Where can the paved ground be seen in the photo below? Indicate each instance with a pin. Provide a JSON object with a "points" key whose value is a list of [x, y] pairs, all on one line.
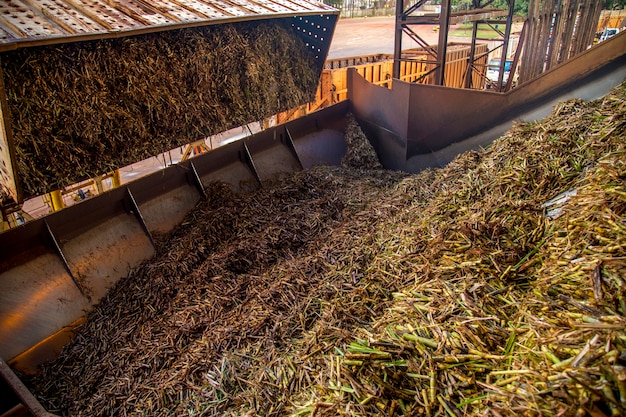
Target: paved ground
{"points": [[372, 35]]}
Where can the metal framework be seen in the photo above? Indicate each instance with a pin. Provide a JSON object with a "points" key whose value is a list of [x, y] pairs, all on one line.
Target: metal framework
{"points": [[410, 13], [504, 39]]}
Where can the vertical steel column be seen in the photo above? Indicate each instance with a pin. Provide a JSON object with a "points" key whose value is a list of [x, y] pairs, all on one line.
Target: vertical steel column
{"points": [[116, 178], [505, 47], [472, 57], [442, 48], [516, 58], [397, 49], [56, 198]]}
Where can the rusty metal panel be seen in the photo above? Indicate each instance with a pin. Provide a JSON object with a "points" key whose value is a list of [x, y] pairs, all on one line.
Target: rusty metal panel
{"points": [[383, 114], [433, 108], [32, 306], [382, 106], [34, 22]]}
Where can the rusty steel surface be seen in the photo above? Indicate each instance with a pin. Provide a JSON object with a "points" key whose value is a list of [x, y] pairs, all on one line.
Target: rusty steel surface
{"points": [[31, 22]]}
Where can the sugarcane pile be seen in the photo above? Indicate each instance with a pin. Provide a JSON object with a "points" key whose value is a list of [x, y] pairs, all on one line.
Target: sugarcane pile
{"points": [[493, 286], [128, 99]]}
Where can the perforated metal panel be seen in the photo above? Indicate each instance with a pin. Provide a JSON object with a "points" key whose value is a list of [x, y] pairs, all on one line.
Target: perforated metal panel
{"points": [[32, 22], [315, 30]]}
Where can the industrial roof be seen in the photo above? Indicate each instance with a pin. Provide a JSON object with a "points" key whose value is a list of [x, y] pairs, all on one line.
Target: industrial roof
{"points": [[35, 22]]}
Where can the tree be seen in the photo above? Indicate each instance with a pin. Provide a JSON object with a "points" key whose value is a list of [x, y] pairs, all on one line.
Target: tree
{"points": [[614, 4], [337, 4], [520, 7]]}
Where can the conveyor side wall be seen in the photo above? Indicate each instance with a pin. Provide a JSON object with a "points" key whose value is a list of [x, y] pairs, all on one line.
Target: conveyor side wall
{"points": [[53, 270], [434, 123]]}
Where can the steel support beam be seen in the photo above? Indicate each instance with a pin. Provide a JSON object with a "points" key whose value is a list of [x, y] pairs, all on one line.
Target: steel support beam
{"points": [[442, 47], [472, 57], [505, 36], [505, 49], [406, 17], [397, 48]]}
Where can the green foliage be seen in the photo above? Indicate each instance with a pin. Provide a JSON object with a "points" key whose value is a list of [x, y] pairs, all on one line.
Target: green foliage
{"points": [[337, 4], [614, 4], [520, 7]]}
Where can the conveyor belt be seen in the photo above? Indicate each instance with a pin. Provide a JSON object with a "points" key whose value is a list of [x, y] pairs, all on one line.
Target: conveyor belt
{"points": [[54, 269]]}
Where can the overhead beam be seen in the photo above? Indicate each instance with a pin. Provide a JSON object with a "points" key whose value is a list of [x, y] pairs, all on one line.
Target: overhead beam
{"points": [[407, 16], [479, 14], [455, 17]]}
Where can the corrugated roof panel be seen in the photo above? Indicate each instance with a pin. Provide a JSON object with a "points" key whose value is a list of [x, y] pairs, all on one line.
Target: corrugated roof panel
{"points": [[64, 16], [205, 9], [32, 22], [270, 6], [141, 12], [5, 36], [178, 12], [229, 8], [19, 19], [104, 14], [307, 5]]}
